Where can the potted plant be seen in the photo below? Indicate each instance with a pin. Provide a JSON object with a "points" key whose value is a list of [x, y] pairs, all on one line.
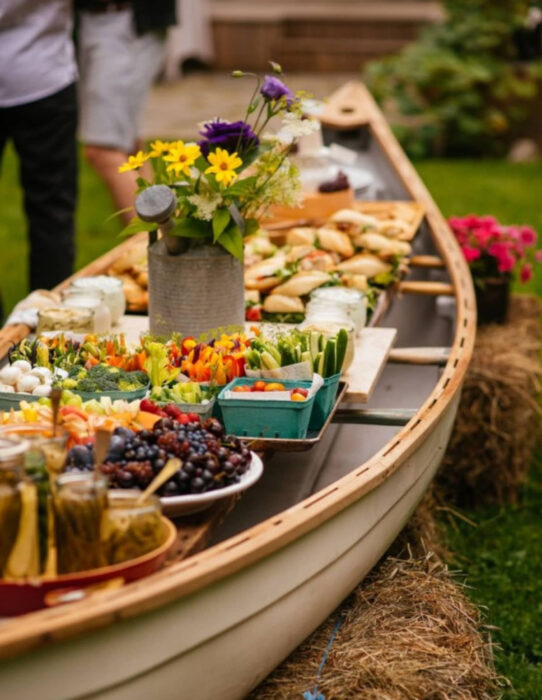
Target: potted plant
{"points": [[495, 254], [204, 198]]}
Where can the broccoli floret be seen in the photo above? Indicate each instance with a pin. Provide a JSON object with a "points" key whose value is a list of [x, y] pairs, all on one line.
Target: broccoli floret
{"points": [[126, 385], [107, 385], [141, 377], [86, 384]]}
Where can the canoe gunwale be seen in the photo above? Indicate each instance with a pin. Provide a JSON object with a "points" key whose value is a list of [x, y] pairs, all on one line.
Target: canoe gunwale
{"points": [[209, 566]]}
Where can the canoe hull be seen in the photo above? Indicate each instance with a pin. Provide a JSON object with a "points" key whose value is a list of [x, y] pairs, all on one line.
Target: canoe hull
{"points": [[223, 640]]}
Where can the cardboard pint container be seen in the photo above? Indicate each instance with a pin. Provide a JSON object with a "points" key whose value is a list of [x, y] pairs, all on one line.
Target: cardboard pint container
{"points": [[195, 292]]}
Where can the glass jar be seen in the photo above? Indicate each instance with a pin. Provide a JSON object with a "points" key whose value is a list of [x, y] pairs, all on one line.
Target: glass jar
{"points": [[130, 529], [12, 451], [92, 299], [79, 502], [65, 319], [40, 436], [352, 301], [325, 317], [113, 290]]}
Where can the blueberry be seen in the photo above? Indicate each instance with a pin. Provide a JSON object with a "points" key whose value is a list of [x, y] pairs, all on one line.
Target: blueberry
{"points": [[130, 454], [159, 464], [141, 454]]}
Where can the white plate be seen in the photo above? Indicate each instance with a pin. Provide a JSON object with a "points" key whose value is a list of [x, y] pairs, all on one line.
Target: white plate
{"points": [[176, 506]]}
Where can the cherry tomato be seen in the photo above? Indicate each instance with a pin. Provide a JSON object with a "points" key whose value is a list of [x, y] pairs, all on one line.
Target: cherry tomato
{"points": [[260, 385], [274, 386], [242, 388]]}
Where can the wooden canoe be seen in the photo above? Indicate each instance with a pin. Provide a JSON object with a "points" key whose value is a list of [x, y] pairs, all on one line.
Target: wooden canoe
{"points": [[215, 623]]}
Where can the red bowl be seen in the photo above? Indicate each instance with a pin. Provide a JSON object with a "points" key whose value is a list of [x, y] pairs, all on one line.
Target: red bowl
{"points": [[17, 598]]}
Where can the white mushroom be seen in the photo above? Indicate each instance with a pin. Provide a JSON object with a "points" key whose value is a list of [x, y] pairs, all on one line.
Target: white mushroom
{"points": [[23, 365], [42, 390], [44, 374], [10, 375], [27, 384]]}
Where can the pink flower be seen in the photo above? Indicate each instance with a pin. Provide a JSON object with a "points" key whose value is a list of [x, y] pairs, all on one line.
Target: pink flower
{"points": [[482, 235], [506, 262], [538, 256], [470, 253], [526, 272], [527, 235], [471, 220]]}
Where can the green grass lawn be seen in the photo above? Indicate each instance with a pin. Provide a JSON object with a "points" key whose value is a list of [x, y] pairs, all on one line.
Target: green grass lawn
{"points": [[502, 557]]}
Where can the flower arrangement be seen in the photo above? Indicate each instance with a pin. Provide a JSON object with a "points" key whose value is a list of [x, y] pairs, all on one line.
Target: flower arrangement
{"points": [[496, 251], [226, 180]]}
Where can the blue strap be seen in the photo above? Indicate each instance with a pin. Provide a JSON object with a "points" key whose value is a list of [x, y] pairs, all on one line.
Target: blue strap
{"points": [[314, 694]]}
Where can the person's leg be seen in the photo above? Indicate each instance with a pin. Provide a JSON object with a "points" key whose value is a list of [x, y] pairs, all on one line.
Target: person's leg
{"points": [[121, 186], [45, 138], [117, 67]]}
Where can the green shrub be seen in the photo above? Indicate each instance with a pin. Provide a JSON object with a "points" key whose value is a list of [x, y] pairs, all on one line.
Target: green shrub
{"points": [[458, 90]]}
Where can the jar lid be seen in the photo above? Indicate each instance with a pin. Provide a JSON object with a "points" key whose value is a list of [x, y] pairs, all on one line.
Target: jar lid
{"points": [[101, 282], [66, 314], [11, 447]]}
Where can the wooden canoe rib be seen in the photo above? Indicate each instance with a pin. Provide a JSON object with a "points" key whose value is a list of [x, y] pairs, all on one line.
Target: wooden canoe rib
{"points": [[330, 511]]}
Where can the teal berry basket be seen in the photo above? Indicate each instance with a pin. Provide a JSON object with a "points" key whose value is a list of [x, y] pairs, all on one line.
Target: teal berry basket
{"points": [[11, 400], [204, 410], [324, 401], [269, 419]]}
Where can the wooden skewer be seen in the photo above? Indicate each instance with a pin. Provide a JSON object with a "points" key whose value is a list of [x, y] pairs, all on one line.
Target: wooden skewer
{"points": [[426, 261], [173, 465], [427, 287], [419, 356]]}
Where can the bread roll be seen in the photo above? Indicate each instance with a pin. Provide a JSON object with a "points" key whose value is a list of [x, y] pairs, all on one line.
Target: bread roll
{"points": [[261, 275], [302, 283], [364, 264], [302, 235], [335, 241], [393, 227], [353, 221], [280, 304]]}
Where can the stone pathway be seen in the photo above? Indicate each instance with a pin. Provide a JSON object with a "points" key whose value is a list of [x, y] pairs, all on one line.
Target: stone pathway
{"points": [[175, 109]]}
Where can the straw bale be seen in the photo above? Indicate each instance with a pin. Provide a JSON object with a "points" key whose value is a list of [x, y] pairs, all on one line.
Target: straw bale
{"points": [[408, 632], [498, 422]]}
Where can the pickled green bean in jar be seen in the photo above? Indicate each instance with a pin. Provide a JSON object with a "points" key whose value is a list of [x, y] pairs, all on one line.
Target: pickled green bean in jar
{"points": [[130, 530], [12, 453], [79, 502]]}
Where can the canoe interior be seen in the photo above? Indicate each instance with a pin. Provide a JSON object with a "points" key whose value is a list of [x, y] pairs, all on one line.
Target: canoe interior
{"points": [[363, 460]]}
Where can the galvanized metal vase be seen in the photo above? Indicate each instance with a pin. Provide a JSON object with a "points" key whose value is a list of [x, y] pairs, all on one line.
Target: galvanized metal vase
{"points": [[195, 292]]}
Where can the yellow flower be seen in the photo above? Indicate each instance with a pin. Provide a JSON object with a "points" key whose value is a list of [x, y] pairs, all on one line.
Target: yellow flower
{"points": [[223, 165], [181, 157], [134, 162], [160, 147]]}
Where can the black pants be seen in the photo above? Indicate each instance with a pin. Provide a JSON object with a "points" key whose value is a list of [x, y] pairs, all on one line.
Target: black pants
{"points": [[44, 136]]}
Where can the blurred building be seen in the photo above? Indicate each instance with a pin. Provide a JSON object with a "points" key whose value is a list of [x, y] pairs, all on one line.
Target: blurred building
{"points": [[313, 35]]}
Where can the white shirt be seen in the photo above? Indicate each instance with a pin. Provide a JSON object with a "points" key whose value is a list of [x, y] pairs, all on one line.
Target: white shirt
{"points": [[37, 56]]}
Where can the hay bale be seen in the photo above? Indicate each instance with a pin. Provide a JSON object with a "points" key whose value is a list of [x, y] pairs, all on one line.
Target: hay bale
{"points": [[498, 422], [407, 632]]}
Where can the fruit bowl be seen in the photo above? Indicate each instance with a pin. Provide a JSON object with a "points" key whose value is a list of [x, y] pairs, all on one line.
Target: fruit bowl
{"points": [[18, 598], [176, 506]]}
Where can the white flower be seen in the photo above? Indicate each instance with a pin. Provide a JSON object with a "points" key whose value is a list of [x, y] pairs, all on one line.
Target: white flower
{"points": [[294, 126], [205, 204]]}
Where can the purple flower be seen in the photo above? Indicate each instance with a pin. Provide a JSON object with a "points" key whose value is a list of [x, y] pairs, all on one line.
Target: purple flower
{"points": [[273, 89], [232, 136]]}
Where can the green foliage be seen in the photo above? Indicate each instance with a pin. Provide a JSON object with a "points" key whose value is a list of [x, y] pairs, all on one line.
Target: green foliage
{"points": [[457, 90], [502, 559]]}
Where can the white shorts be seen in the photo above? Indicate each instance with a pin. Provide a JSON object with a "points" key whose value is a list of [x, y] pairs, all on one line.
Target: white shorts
{"points": [[117, 70]]}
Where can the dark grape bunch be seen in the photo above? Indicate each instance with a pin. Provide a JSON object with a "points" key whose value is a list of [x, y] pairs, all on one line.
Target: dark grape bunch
{"points": [[210, 459]]}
